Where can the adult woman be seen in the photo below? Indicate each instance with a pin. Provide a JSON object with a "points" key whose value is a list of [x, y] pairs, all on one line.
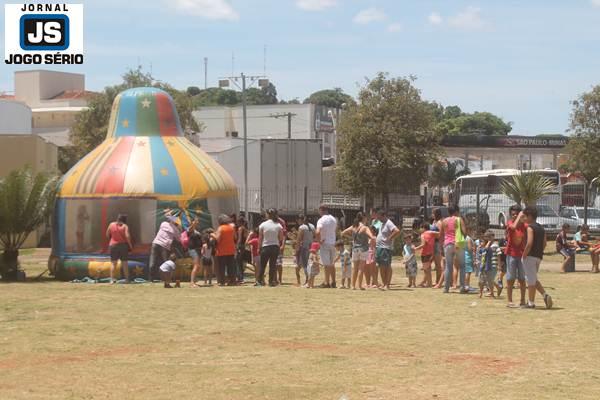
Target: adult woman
{"points": [[271, 242], [371, 267], [242, 256], [306, 235], [119, 244], [168, 233], [436, 226], [194, 249], [361, 237], [225, 237], [453, 255]]}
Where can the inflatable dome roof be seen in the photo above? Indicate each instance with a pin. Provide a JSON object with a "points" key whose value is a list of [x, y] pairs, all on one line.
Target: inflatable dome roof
{"points": [[145, 154]]}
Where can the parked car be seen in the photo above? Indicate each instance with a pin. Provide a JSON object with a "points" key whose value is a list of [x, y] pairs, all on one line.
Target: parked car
{"points": [[575, 215], [550, 220]]}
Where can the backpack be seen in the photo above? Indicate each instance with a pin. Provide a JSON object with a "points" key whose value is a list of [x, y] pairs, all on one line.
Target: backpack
{"points": [[459, 238], [184, 238]]}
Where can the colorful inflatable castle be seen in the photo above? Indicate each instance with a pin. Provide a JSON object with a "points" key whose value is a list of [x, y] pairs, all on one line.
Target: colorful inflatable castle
{"points": [[144, 168]]}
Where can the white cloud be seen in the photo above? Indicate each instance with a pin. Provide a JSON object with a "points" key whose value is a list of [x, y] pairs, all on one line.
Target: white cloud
{"points": [[595, 3], [436, 19], [394, 27], [369, 15], [469, 19], [210, 9], [315, 5]]}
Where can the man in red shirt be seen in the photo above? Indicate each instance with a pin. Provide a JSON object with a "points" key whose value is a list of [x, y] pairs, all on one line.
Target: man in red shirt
{"points": [[516, 235]]}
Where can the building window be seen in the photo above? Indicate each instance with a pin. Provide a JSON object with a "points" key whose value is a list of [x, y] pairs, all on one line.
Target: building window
{"points": [[234, 134]]}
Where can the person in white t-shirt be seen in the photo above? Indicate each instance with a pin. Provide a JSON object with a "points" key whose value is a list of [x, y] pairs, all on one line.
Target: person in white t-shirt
{"points": [[326, 236]]}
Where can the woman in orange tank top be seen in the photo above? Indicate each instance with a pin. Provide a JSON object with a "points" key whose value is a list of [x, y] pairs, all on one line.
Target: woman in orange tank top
{"points": [[226, 236]]}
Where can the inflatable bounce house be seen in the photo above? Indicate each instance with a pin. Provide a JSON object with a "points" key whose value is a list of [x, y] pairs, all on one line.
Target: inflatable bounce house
{"points": [[145, 168]]}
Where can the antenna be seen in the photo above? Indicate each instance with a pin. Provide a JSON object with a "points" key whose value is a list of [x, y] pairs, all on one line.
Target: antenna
{"points": [[205, 72], [232, 63]]}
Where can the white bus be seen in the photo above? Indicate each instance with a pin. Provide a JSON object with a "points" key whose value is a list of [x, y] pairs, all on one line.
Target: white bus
{"points": [[491, 199]]}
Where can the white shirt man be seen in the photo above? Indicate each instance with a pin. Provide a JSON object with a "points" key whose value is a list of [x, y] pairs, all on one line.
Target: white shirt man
{"points": [[326, 234]]}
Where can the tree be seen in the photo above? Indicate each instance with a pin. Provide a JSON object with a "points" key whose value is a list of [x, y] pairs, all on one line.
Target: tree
{"points": [[584, 144], [216, 97], [386, 140], [91, 125], [527, 188], [193, 90], [25, 204], [454, 122], [333, 98], [444, 174]]}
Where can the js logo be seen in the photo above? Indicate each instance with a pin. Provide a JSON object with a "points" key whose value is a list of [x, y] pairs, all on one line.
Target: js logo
{"points": [[44, 32]]}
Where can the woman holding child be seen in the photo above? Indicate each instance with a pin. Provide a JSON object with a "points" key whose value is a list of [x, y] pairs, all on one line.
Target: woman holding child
{"points": [[361, 237]]}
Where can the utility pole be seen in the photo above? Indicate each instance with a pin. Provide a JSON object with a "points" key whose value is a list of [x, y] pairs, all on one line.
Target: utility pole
{"points": [[289, 116], [262, 82], [205, 72]]}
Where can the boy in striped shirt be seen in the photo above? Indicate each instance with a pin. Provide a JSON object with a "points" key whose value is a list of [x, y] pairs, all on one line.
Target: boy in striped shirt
{"points": [[489, 264]]}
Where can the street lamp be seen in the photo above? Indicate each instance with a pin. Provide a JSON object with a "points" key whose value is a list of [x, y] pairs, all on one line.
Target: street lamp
{"points": [[262, 82]]}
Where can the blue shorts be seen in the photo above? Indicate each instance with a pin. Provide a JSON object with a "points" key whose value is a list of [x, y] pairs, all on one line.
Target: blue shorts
{"points": [[469, 267], [383, 257], [514, 269], [194, 254]]}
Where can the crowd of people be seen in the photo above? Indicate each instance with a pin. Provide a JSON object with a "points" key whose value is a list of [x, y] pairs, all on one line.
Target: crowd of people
{"points": [[447, 246]]}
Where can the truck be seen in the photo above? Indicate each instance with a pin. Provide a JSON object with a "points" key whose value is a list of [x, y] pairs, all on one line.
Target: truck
{"points": [[284, 174]]}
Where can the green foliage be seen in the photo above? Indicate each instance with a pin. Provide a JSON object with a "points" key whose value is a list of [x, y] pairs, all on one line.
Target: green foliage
{"points": [[584, 145], [91, 125], [193, 90], [333, 98], [227, 97], [26, 200], [452, 121], [527, 188], [444, 174], [386, 140]]}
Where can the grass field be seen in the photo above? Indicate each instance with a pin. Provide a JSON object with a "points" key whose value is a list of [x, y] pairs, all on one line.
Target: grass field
{"points": [[92, 341]]}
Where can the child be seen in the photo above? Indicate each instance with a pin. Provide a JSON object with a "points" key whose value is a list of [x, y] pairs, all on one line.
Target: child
{"points": [[252, 241], [207, 256], [370, 267], [427, 247], [167, 268], [502, 243], [314, 264], [565, 247], [469, 251], [532, 257], [346, 263], [489, 264], [410, 260]]}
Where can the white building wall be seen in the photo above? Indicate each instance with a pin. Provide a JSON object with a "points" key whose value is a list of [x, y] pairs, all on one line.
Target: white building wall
{"points": [[221, 121], [15, 118]]}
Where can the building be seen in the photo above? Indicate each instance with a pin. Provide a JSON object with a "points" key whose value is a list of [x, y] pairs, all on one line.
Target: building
{"points": [[512, 151], [55, 98], [308, 121], [20, 147]]}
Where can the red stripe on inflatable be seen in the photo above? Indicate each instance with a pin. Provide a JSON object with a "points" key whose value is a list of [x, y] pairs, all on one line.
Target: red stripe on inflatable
{"points": [[112, 176], [166, 117]]}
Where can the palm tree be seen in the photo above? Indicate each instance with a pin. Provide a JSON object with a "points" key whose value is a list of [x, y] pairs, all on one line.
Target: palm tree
{"points": [[444, 174], [527, 188], [25, 204]]}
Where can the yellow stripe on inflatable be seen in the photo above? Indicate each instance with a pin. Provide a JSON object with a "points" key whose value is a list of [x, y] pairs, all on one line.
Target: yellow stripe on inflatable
{"points": [[192, 180], [74, 175]]}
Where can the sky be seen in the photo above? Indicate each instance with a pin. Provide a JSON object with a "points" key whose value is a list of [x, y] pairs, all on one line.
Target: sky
{"points": [[521, 60]]}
